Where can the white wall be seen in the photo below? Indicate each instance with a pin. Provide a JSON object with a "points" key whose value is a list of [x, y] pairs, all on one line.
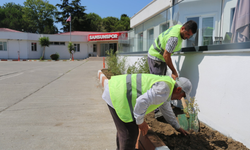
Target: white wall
{"points": [[33, 54], [13, 48], [17, 41], [221, 88], [148, 11]]}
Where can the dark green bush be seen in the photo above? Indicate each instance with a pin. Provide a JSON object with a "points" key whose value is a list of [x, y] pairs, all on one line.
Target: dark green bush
{"points": [[55, 56]]}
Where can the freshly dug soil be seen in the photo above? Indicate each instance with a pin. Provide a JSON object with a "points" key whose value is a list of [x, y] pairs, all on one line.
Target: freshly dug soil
{"points": [[205, 139], [107, 73]]}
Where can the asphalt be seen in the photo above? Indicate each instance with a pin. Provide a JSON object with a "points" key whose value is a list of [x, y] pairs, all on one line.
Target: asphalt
{"points": [[66, 114]]}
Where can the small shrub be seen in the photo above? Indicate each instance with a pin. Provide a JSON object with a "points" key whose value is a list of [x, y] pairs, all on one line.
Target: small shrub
{"points": [[55, 56], [71, 47], [140, 66], [192, 107], [115, 64]]}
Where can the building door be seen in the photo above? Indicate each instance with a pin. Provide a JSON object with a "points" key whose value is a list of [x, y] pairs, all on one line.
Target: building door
{"points": [[108, 47]]}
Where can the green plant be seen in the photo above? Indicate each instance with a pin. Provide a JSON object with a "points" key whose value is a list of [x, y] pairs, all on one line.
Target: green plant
{"points": [[115, 64], [192, 109], [41, 58], [140, 66], [192, 106], [71, 47], [44, 41], [55, 56]]}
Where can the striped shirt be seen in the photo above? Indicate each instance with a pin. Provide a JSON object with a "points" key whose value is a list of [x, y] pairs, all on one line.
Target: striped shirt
{"points": [[170, 46]]}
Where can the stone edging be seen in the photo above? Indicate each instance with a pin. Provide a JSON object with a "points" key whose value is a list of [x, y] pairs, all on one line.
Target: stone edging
{"points": [[34, 60], [102, 78], [149, 142]]}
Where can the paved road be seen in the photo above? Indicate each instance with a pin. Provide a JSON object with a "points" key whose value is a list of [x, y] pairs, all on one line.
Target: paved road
{"points": [[53, 106]]}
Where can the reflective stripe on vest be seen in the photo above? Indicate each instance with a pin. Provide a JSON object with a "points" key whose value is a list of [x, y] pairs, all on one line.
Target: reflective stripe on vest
{"points": [[160, 50], [125, 89], [158, 47]]}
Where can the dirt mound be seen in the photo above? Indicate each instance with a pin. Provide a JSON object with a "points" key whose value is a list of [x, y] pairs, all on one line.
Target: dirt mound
{"points": [[205, 139]]}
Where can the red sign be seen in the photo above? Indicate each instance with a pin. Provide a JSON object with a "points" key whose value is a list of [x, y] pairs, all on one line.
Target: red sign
{"points": [[106, 36]]}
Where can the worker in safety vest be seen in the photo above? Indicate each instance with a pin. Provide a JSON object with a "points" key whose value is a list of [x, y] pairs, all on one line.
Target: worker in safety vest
{"points": [[168, 42], [130, 97]]}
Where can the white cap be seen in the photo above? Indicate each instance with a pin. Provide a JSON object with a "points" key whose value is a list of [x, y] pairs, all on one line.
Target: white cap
{"points": [[186, 86]]}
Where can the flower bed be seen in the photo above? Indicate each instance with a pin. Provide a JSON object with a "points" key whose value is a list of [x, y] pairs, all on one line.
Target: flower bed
{"points": [[162, 133]]}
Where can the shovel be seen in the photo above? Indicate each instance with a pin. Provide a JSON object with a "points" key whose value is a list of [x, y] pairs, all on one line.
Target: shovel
{"points": [[188, 121]]}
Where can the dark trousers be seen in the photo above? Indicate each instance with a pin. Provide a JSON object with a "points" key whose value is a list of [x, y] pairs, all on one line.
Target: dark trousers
{"points": [[127, 133], [157, 67]]}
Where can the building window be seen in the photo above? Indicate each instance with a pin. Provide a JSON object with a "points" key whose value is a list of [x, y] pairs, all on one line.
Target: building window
{"points": [[3, 46], [193, 41], [61, 43], [94, 48], [77, 47], [33, 47], [232, 17], [140, 42], [164, 27], [207, 30], [150, 37], [56, 43]]}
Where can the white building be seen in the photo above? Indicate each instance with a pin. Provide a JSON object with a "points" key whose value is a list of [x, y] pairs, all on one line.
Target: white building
{"points": [[26, 45], [217, 68]]}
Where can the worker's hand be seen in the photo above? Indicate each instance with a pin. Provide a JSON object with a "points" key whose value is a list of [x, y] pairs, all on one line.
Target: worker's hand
{"points": [[182, 131], [144, 128], [174, 75]]}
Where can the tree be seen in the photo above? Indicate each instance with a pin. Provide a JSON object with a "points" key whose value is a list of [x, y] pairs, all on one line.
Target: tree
{"points": [[78, 17], [11, 17], [110, 23], [94, 22], [124, 22], [39, 15], [44, 41], [71, 48]]}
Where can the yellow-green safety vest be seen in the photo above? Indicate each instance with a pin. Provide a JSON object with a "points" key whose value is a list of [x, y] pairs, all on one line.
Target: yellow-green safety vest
{"points": [[125, 89], [159, 45]]}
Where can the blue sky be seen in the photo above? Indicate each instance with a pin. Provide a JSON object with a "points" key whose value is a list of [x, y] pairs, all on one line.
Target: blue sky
{"points": [[104, 8]]}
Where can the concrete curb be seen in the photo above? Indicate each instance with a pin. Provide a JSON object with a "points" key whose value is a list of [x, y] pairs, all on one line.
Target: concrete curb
{"points": [[149, 142], [102, 78], [35, 60]]}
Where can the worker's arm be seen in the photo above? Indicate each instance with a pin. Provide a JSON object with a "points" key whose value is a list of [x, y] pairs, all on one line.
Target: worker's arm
{"points": [[169, 48], [157, 94], [167, 58], [169, 116]]}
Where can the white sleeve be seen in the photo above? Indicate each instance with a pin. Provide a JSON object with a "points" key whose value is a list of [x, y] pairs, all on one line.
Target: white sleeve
{"points": [[169, 115], [157, 94]]}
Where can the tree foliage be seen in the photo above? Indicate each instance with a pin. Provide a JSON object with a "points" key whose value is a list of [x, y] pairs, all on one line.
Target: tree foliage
{"points": [[78, 17], [11, 17], [43, 41], [110, 23], [95, 23], [71, 47], [39, 15]]}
